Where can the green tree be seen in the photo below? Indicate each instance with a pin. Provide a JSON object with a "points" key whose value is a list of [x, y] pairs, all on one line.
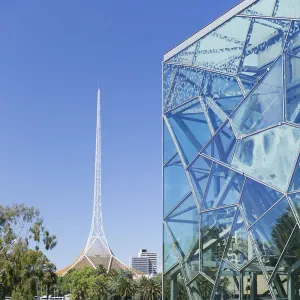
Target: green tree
{"points": [[22, 267], [148, 289]]}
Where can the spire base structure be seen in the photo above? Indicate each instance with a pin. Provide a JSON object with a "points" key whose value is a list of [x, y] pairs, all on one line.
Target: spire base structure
{"points": [[97, 251]]}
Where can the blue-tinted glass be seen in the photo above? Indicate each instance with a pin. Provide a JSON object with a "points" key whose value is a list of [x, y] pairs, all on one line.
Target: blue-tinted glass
{"points": [[287, 8], [191, 263], [269, 156], [215, 227], [169, 147], [224, 188], [199, 172], [296, 202], [292, 77], [185, 86], [220, 50], [293, 39], [170, 258], [240, 250], [184, 226], [263, 106], [221, 95], [261, 7], [227, 284], [254, 283], [176, 185], [190, 128], [187, 203], [265, 42], [221, 146], [201, 288], [292, 253], [295, 182], [184, 57], [169, 72], [272, 231], [256, 199]]}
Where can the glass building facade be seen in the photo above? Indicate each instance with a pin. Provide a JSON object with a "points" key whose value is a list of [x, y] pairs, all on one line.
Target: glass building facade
{"points": [[231, 165]]}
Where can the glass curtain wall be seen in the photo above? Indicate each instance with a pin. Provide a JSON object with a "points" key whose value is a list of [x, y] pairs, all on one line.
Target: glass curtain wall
{"points": [[231, 165]]}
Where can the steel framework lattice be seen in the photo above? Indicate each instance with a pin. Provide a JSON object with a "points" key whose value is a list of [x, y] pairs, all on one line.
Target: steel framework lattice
{"points": [[231, 164], [97, 251]]}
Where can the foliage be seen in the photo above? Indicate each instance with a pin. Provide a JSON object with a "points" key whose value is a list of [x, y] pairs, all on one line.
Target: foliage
{"points": [[97, 284], [23, 269]]}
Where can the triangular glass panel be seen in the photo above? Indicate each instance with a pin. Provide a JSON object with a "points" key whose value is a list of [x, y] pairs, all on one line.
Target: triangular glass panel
{"points": [[288, 261], [176, 185], [292, 85], [224, 188], [265, 43], [190, 128], [191, 263], [295, 198], [169, 72], [215, 228], [240, 250], [222, 144], [185, 86], [293, 40], [221, 95], [263, 106], [199, 173], [280, 287], [220, 51], [179, 283], [183, 223], [269, 156], [185, 205], [200, 288], [287, 8], [228, 283], [254, 284], [295, 182], [170, 258], [256, 199], [261, 8], [169, 147], [272, 232], [184, 57]]}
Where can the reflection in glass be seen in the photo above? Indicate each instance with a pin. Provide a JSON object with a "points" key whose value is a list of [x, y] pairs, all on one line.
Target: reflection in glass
{"points": [[287, 8], [199, 171], [221, 146], [225, 187], [256, 199], [169, 147], [269, 156], [263, 106], [265, 42], [261, 7], [185, 85], [240, 250], [190, 128], [184, 226], [170, 258], [272, 232], [215, 227], [176, 185], [201, 288]]}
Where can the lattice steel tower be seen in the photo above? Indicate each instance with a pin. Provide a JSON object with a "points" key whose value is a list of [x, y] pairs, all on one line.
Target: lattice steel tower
{"points": [[97, 251]]}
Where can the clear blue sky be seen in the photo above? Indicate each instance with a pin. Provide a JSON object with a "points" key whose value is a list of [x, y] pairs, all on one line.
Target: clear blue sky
{"points": [[51, 52]]}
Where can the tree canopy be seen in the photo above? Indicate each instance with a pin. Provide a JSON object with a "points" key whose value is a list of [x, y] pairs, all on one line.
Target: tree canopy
{"points": [[23, 266]]}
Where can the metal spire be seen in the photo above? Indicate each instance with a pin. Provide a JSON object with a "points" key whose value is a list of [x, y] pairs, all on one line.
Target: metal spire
{"points": [[97, 243]]}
